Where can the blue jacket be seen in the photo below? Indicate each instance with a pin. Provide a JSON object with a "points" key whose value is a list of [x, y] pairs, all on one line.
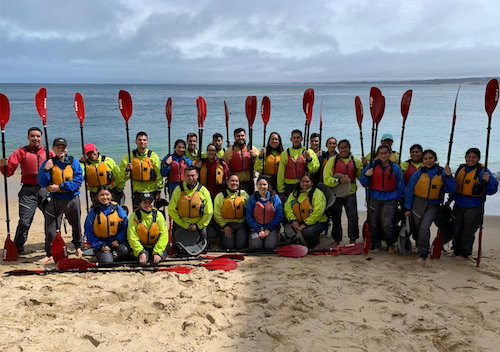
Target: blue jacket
{"points": [[97, 242], [72, 188], [278, 216], [472, 202], [450, 186], [165, 169], [398, 193]]}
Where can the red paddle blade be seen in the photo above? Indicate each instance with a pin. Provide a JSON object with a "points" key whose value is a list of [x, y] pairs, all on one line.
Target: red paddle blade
{"points": [[351, 248], [381, 111], [227, 114], [79, 108], [321, 116], [265, 110], [23, 272], [376, 104], [9, 250], [359, 110], [41, 104], [405, 104], [491, 97], [366, 237], [59, 248], [202, 111], [251, 109], [177, 269], [168, 111], [4, 111], [437, 246], [307, 104], [76, 264], [292, 250], [125, 104], [225, 264]]}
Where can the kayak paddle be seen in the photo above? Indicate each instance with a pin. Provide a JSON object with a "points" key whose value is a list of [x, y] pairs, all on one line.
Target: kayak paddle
{"points": [[80, 113], [359, 118], [265, 112], [125, 105], [405, 108], [202, 115]]}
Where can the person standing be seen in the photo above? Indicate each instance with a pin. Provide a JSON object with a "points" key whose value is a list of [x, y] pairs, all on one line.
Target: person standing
{"points": [[63, 177], [218, 140], [323, 157], [30, 157], [192, 151], [388, 140], [213, 171], [173, 166], [145, 170], [269, 158], [410, 166]]}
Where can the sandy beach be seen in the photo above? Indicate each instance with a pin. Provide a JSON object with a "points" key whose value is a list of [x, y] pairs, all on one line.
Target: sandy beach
{"points": [[270, 303]]}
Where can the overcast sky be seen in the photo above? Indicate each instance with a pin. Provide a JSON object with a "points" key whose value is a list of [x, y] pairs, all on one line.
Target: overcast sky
{"points": [[209, 41]]}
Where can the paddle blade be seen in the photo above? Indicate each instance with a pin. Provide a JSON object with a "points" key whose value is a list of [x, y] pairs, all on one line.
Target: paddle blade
{"points": [[41, 104], [177, 269], [491, 97], [437, 246], [4, 111], [359, 110], [79, 108], [24, 272], [292, 250], [59, 248], [168, 111], [225, 264], [251, 109], [202, 111], [366, 237], [307, 104], [125, 104], [321, 116], [405, 104], [351, 248], [9, 250], [78, 264], [381, 111], [265, 110], [377, 104], [455, 108], [227, 114]]}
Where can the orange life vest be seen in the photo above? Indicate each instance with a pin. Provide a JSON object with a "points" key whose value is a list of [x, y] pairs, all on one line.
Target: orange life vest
{"points": [[304, 209], [190, 207], [100, 175], [271, 164], [212, 173], [295, 168], [428, 188], [383, 180], [233, 209], [263, 214], [240, 161], [106, 226], [468, 182], [58, 176], [143, 170], [148, 237]]}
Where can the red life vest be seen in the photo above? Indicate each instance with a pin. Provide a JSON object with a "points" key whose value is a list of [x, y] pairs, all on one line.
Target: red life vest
{"points": [[212, 175], [383, 180], [409, 172], [240, 161], [263, 214], [177, 170], [31, 161], [348, 169], [295, 168]]}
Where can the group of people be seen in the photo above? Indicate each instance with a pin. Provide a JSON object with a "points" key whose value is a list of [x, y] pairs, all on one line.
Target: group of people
{"points": [[212, 195]]}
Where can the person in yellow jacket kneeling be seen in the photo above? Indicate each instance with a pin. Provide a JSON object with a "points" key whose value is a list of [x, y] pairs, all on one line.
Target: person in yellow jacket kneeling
{"points": [[147, 232], [191, 210], [305, 209]]}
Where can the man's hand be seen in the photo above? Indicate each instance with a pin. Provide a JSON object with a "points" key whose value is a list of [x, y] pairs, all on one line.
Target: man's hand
{"points": [[49, 164], [129, 166], [3, 162], [307, 155]]}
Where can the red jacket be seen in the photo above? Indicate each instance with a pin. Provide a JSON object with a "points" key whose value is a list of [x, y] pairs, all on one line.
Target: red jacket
{"points": [[30, 160]]}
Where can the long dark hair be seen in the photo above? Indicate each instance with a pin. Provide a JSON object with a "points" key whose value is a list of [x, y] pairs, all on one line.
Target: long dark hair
{"points": [[297, 189], [269, 149]]}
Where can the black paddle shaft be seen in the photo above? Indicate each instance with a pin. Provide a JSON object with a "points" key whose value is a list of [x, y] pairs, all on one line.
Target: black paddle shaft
{"points": [[130, 161], [85, 174], [5, 184]]}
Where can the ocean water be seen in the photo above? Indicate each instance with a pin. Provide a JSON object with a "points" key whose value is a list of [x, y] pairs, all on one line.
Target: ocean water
{"points": [[428, 123]]}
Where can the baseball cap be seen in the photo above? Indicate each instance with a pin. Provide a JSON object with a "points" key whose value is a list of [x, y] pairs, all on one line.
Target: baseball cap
{"points": [[144, 196], [387, 136], [89, 147], [59, 141]]}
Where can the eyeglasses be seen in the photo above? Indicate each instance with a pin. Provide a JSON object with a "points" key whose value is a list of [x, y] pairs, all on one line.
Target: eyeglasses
{"points": [[211, 150]]}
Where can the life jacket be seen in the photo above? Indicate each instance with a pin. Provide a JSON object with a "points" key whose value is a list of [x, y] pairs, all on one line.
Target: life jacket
{"points": [[468, 182], [58, 176], [100, 175], [148, 237], [383, 180], [271, 164], [324, 155], [30, 164], [263, 214], [428, 188], [240, 161], [213, 173], [177, 170], [190, 207], [409, 172], [348, 169], [106, 226], [233, 209], [304, 209], [295, 168], [143, 170]]}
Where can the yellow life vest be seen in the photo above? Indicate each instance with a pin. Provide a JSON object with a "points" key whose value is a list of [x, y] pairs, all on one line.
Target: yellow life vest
{"points": [[148, 237], [58, 176], [106, 226], [100, 175], [428, 188], [233, 209], [304, 209], [190, 207], [271, 164], [218, 173], [468, 182], [143, 170]]}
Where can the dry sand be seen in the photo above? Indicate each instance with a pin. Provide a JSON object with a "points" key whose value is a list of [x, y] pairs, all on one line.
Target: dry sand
{"points": [[270, 303]]}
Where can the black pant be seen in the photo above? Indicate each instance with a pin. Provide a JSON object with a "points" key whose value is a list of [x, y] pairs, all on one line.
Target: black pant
{"points": [[381, 215], [465, 224]]}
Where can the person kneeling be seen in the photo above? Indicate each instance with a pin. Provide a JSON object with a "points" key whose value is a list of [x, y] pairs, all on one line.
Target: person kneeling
{"points": [[305, 209], [106, 228], [147, 232]]}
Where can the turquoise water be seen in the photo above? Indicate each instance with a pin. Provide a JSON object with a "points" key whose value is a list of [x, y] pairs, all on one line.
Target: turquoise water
{"points": [[428, 123]]}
